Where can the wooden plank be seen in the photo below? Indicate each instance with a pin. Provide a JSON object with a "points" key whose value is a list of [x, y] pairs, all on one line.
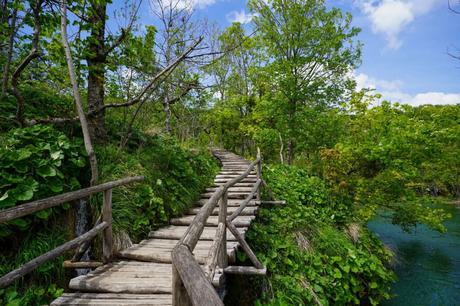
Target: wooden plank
{"points": [[34, 263], [247, 211], [231, 202], [177, 232], [241, 221], [31, 207], [239, 195], [153, 254]]}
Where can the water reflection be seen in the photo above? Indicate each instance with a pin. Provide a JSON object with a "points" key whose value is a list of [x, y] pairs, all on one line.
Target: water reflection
{"points": [[428, 262]]}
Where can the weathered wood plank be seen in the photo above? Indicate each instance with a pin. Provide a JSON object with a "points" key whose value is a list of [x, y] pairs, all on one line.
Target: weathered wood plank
{"points": [[241, 221], [177, 232], [247, 211]]}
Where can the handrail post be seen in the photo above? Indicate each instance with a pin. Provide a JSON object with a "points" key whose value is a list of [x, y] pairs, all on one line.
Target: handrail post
{"points": [[107, 236], [180, 296], [223, 258], [259, 171]]}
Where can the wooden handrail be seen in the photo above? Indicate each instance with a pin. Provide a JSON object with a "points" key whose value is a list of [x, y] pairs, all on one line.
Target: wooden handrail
{"points": [[32, 207], [10, 277], [192, 285], [104, 226], [243, 204]]}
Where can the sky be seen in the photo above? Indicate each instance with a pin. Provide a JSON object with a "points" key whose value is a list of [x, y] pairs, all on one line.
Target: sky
{"points": [[406, 44]]}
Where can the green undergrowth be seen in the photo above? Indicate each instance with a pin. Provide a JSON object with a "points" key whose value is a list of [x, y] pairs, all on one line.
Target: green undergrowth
{"points": [[315, 252], [35, 163], [41, 161], [174, 179]]}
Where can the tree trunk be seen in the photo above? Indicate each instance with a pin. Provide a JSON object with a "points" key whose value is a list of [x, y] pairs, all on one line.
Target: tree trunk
{"points": [[76, 93], [96, 61], [34, 53], [167, 110], [9, 53]]}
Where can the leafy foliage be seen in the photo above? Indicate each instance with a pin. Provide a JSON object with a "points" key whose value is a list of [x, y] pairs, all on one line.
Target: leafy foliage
{"points": [[43, 284], [174, 178], [35, 163], [307, 251]]}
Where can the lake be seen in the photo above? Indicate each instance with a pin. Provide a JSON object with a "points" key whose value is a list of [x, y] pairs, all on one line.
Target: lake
{"points": [[428, 265]]}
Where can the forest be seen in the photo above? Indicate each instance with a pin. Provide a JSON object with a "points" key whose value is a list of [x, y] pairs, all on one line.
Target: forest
{"points": [[91, 93]]}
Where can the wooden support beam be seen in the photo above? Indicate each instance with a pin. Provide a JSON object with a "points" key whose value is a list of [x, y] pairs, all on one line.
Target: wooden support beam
{"points": [[272, 202], [259, 171], [81, 264], [31, 207], [34, 263], [222, 258], [107, 237], [180, 296], [244, 245], [245, 270], [211, 261]]}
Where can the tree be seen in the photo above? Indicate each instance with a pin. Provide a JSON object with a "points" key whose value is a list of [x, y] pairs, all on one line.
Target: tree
{"points": [[176, 31], [77, 97], [309, 52]]}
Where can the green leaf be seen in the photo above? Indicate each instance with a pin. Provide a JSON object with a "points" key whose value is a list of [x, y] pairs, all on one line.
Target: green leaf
{"points": [[43, 214], [21, 223], [4, 196], [46, 171]]}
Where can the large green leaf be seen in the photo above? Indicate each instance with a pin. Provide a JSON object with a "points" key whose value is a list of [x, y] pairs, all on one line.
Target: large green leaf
{"points": [[46, 171]]}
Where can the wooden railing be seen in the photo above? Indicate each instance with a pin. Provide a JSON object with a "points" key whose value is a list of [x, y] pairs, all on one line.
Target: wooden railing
{"points": [[194, 285], [103, 225]]}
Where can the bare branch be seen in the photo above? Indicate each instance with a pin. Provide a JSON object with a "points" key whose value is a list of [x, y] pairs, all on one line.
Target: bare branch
{"points": [[151, 85]]}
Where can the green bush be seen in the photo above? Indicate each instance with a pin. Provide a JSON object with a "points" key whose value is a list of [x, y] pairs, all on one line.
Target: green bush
{"points": [[308, 251], [174, 178], [35, 163]]}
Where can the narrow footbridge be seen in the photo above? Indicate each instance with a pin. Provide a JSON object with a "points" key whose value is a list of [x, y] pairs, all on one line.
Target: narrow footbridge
{"points": [[184, 263]]}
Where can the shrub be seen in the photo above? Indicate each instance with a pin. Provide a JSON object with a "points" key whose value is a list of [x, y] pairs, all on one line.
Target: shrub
{"points": [[308, 251]]}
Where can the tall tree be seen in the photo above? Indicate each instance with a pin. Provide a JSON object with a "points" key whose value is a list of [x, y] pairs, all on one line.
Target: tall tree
{"points": [[77, 97], [309, 52]]}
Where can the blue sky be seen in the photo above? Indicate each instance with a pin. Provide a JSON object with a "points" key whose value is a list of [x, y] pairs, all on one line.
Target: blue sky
{"points": [[406, 44]]}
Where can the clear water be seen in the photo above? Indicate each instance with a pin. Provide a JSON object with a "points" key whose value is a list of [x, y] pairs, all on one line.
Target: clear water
{"points": [[428, 262]]}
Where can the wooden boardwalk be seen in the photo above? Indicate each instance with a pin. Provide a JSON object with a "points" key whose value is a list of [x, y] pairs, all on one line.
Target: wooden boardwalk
{"points": [[142, 274]]}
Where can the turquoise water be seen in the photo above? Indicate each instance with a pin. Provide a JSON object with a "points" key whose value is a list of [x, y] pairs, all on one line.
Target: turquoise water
{"points": [[428, 262]]}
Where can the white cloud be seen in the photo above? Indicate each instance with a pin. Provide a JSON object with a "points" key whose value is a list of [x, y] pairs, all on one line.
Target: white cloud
{"points": [[392, 91], [364, 81], [241, 17], [391, 17]]}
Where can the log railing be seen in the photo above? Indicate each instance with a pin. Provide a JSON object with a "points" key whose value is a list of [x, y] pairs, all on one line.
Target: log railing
{"points": [[195, 285], [103, 225]]}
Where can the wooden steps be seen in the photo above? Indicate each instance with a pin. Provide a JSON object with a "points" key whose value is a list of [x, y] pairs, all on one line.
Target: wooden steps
{"points": [[113, 299], [176, 232], [143, 273]]}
